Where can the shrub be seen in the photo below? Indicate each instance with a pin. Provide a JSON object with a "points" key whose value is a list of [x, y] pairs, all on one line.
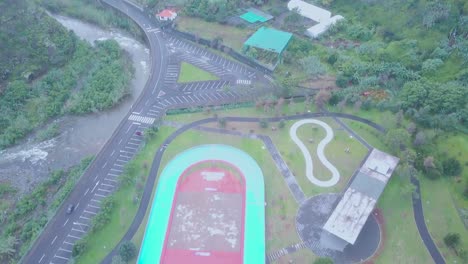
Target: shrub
{"points": [[452, 167], [281, 123], [127, 251], [263, 123], [323, 261], [452, 240], [79, 248]]}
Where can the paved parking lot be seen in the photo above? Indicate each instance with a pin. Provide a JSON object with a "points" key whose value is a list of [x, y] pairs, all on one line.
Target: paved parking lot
{"points": [[195, 54], [202, 86]]}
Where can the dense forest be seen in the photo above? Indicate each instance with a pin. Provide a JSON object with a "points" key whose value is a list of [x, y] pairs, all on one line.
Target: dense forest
{"points": [[46, 71]]}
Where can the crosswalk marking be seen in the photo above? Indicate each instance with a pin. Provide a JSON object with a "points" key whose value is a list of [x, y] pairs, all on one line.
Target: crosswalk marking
{"points": [[244, 82], [142, 119]]}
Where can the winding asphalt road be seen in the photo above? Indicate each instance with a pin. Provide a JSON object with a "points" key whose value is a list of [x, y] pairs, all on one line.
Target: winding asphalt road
{"points": [[55, 244], [61, 233], [320, 152]]}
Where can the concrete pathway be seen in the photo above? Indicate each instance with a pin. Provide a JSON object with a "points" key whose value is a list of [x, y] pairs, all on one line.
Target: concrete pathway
{"points": [[320, 152], [289, 178]]}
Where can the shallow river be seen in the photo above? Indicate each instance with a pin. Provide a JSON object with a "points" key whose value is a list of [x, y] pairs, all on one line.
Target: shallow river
{"points": [[30, 162]]}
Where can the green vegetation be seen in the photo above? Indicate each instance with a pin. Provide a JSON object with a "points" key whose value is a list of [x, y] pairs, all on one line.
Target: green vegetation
{"points": [[74, 76], [231, 36], [127, 251], [109, 229], [93, 12], [23, 220], [191, 73], [52, 130]]}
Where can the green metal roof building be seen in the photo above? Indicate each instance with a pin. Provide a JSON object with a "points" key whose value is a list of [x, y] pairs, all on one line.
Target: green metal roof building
{"points": [[269, 39]]}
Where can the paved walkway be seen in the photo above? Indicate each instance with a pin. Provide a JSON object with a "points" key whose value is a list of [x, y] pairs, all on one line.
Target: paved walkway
{"points": [[289, 178], [320, 152], [421, 224]]}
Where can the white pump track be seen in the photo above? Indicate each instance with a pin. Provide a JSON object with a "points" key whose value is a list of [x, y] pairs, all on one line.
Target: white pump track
{"points": [[320, 152]]}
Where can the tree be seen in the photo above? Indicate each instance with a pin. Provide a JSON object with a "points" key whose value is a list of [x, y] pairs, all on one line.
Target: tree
{"points": [[323, 261], [397, 139], [127, 251], [431, 65], [419, 139], [79, 248], [429, 163], [452, 167], [312, 66], [322, 98], [452, 240], [7, 247], [222, 122], [293, 19], [281, 123], [434, 12]]}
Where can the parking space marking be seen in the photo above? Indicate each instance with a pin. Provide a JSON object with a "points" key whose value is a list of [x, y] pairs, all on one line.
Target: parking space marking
{"points": [[66, 250], [77, 230], [96, 201], [89, 212], [110, 180], [99, 195], [74, 236], [105, 184], [68, 243], [55, 256]]}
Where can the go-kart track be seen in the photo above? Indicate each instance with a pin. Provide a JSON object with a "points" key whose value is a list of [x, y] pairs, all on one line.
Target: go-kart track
{"points": [[217, 213], [320, 152]]}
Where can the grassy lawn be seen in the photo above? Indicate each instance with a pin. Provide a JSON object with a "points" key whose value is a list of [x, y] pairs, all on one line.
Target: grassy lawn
{"points": [[403, 243], [441, 215], [346, 163], [191, 73], [281, 208], [233, 37], [103, 241], [442, 197]]}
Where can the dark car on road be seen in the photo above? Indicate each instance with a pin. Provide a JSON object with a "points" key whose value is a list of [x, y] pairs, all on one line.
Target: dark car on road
{"points": [[70, 208]]}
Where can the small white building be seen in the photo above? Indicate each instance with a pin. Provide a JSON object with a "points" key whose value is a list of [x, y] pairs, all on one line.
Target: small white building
{"points": [[320, 15], [166, 15]]}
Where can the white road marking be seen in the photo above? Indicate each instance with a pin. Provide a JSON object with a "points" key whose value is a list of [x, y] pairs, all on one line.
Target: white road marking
{"points": [[55, 256], [43, 255], [74, 236], [105, 164], [93, 206], [87, 190], [66, 250], [95, 186], [77, 230], [53, 240], [66, 221]]}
